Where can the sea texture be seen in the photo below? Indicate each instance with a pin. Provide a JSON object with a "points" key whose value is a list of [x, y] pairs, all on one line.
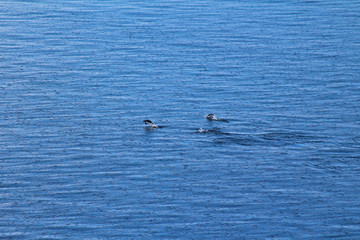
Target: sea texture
{"points": [[77, 79]]}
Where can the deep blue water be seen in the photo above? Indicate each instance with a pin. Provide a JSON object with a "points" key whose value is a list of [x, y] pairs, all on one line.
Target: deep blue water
{"points": [[78, 77]]}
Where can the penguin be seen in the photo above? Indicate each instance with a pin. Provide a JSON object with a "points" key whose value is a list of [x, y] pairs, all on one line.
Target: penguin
{"points": [[150, 122]]}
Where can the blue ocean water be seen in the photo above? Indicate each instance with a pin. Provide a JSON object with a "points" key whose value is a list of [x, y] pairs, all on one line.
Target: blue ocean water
{"points": [[77, 78]]}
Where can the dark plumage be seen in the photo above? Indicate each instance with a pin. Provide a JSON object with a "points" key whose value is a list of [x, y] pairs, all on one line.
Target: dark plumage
{"points": [[210, 116], [149, 122]]}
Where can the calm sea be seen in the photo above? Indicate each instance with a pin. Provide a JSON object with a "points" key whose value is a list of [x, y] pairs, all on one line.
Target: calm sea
{"points": [[77, 78]]}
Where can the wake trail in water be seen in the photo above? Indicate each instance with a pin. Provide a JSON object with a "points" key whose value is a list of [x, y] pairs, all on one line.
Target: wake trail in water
{"points": [[272, 138]]}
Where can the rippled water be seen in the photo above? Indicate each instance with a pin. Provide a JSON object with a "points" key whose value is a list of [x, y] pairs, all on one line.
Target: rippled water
{"points": [[78, 78]]}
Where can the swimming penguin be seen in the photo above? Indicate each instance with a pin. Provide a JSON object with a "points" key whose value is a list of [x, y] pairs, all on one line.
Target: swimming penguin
{"points": [[212, 117], [150, 122]]}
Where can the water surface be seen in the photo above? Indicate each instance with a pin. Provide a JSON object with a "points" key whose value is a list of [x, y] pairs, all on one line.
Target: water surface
{"points": [[78, 78]]}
